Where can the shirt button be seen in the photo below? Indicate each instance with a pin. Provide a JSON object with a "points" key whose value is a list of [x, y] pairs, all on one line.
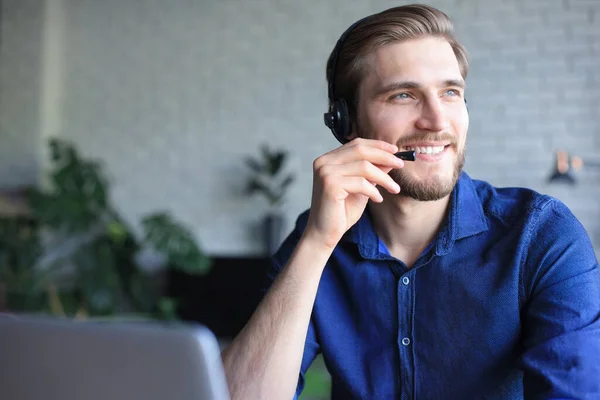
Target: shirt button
{"points": [[405, 280], [406, 341]]}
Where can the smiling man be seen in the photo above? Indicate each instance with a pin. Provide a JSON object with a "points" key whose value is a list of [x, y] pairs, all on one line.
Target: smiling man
{"points": [[410, 278], [414, 98]]}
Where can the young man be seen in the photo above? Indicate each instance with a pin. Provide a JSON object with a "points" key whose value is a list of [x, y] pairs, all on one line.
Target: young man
{"points": [[411, 279]]}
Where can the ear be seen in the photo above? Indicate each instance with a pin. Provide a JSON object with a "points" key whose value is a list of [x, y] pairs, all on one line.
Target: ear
{"points": [[353, 135], [353, 131]]}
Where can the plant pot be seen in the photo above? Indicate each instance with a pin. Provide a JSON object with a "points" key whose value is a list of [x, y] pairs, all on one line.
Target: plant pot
{"points": [[273, 231]]}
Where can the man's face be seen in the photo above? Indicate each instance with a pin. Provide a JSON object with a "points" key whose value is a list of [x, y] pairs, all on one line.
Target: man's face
{"points": [[412, 95]]}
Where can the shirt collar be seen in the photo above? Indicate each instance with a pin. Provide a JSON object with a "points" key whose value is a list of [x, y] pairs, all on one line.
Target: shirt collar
{"points": [[465, 218]]}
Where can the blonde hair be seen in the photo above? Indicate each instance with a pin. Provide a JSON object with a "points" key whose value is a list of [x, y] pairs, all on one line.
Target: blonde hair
{"points": [[392, 25]]}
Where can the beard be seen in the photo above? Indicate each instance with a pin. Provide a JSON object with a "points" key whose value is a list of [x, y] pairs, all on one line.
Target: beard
{"points": [[434, 188]]}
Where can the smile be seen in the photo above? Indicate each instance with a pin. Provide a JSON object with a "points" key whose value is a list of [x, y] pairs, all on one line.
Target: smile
{"points": [[428, 152], [427, 149]]}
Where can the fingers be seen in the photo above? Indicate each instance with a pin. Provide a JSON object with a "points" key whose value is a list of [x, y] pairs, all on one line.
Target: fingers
{"points": [[362, 169], [375, 151], [358, 185]]}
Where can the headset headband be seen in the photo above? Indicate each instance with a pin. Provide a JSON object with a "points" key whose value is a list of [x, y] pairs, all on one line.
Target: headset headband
{"points": [[334, 59]]}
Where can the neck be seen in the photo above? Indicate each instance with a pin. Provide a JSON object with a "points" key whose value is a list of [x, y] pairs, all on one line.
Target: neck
{"points": [[407, 226]]}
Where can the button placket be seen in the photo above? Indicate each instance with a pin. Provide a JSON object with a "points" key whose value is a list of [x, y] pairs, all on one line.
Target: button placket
{"points": [[405, 316]]}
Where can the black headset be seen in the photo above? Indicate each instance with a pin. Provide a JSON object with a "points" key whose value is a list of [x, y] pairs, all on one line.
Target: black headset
{"points": [[338, 117]]}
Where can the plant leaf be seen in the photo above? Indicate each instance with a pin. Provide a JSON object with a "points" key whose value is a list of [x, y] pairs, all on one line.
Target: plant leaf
{"points": [[254, 165], [266, 152], [256, 185], [97, 276], [287, 182], [176, 242], [276, 162]]}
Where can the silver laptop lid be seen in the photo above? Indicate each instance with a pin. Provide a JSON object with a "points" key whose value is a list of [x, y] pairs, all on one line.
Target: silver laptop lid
{"points": [[47, 359]]}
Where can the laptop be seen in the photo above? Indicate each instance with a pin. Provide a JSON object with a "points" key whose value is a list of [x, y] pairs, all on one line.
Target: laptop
{"points": [[50, 359]]}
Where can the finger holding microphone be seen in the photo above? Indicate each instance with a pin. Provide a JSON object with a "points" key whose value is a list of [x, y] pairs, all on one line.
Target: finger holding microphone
{"points": [[344, 180]]}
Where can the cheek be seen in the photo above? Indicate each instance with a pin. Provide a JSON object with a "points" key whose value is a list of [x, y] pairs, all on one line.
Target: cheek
{"points": [[465, 120], [390, 124], [461, 126]]}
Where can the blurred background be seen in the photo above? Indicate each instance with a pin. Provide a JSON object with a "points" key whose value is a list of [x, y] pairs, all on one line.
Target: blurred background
{"points": [[133, 134]]}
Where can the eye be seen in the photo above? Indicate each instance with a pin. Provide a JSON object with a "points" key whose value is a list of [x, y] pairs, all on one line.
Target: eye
{"points": [[400, 96], [452, 92]]}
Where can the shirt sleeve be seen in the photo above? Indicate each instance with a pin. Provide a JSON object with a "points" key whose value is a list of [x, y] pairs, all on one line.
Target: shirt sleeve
{"points": [[561, 310], [311, 345], [311, 349]]}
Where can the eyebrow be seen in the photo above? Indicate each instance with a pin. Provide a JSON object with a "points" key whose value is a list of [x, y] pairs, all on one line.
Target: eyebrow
{"points": [[394, 86]]}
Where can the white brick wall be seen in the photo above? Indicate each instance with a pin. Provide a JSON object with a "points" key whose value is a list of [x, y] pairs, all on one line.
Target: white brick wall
{"points": [[172, 96], [20, 58]]}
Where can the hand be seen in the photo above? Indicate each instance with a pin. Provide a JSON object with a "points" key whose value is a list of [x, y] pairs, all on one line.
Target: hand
{"points": [[343, 182]]}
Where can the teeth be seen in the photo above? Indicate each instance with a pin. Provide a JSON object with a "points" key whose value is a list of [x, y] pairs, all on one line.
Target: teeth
{"points": [[427, 150]]}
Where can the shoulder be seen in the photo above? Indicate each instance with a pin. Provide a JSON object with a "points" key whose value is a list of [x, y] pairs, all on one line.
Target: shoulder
{"points": [[511, 202], [557, 236], [553, 243], [545, 215]]}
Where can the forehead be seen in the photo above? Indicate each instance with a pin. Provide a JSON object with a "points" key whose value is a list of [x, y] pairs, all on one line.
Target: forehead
{"points": [[426, 61]]}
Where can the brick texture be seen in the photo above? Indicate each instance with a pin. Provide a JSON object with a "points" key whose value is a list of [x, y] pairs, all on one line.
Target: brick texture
{"points": [[20, 59], [173, 95]]}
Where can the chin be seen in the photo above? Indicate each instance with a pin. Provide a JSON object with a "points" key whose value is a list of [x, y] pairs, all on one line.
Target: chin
{"points": [[427, 191], [433, 187]]}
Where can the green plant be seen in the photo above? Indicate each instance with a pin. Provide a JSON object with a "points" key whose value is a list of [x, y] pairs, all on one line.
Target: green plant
{"points": [[87, 263], [268, 177], [317, 381], [19, 249], [176, 242]]}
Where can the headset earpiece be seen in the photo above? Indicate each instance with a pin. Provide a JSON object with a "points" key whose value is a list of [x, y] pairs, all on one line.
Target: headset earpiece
{"points": [[338, 117], [338, 120]]}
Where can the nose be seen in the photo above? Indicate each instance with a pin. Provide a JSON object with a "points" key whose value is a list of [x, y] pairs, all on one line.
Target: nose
{"points": [[433, 116]]}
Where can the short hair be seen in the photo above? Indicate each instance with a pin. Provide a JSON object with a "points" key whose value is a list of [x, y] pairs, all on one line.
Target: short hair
{"points": [[389, 26]]}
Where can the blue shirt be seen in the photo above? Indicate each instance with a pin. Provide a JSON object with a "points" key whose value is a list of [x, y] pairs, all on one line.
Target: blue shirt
{"points": [[503, 304]]}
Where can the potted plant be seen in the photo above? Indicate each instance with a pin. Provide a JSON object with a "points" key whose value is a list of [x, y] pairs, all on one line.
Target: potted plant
{"points": [[76, 256], [269, 179]]}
